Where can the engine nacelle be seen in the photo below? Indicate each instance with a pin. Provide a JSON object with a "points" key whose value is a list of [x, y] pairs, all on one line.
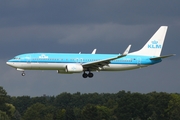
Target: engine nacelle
{"points": [[71, 68], [74, 68]]}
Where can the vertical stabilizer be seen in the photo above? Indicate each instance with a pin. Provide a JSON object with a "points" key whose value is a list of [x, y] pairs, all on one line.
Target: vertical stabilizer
{"points": [[154, 46]]}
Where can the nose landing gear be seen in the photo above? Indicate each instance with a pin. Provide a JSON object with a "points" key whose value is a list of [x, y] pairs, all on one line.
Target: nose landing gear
{"points": [[23, 73]]}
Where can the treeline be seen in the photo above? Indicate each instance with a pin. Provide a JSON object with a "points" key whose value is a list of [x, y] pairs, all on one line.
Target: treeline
{"points": [[92, 106]]}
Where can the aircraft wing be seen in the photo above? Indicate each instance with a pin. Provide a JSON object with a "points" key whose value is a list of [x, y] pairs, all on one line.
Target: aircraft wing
{"points": [[95, 65]]}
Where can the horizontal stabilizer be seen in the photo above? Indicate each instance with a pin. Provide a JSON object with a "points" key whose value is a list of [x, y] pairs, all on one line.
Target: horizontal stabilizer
{"points": [[165, 56]]}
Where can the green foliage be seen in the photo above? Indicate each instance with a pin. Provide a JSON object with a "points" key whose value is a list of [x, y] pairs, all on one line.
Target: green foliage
{"points": [[157, 105], [131, 106], [104, 113], [3, 116], [38, 111], [12, 109], [7, 111], [92, 106], [3, 96], [90, 112], [63, 100], [60, 114], [70, 114], [21, 103], [174, 107]]}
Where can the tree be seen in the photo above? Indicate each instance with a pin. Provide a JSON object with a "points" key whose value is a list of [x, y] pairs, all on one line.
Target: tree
{"points": [[21, 103], [3, 116], [103, 112], [77, 113], [89, 112], [37, 111], [60, 114], [174, 107], [12, 109], [6, 109], [3, 96], [48, 116], [157, 105], [131, 105], [63, 100], [105, 106], [69, 115]]}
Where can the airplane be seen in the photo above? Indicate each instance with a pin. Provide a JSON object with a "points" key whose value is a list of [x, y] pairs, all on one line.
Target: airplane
{"points": [[68, 63]]}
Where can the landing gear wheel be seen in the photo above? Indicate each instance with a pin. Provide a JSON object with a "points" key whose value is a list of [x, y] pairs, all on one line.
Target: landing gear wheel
{"points": [[84, 75], [23, 74], [90, 75]]}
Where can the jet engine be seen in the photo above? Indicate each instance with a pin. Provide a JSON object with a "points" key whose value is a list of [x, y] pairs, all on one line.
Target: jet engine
{"points": [[71, 68]]}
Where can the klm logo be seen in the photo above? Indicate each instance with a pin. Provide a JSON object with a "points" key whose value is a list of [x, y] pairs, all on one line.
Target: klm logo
{"points": [[154, 44], [73, 68], [43, 56]]}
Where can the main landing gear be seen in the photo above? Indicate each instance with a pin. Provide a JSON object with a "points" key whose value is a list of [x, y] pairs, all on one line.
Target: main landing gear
{"points": [[85, 75]]}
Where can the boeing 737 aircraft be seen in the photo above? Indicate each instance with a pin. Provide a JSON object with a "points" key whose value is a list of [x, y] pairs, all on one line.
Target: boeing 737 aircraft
{"points": [[68, 63]]}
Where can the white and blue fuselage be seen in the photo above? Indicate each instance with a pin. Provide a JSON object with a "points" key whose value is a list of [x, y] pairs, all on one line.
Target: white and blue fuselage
{"points": [[58, 61]]}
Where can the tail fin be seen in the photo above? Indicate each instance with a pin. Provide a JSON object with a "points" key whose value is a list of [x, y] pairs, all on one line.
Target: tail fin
{"points": [[154, 46]]}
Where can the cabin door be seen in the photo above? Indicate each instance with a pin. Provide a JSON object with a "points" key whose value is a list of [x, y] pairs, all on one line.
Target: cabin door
{"points": [[139, 61]]}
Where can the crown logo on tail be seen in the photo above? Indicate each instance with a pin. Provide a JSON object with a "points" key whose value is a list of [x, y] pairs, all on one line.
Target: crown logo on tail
{"points": [[154, 42], [154, 45]]}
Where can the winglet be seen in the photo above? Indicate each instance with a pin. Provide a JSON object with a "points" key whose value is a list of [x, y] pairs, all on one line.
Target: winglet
{"points": [[127, 50], [94, 51]]}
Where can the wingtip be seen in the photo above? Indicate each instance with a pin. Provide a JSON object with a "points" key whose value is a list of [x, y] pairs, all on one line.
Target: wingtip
{"points": [[127, 50], [94, 51]]}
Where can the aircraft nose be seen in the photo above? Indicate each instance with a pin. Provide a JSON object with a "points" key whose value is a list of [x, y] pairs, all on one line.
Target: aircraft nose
{"points": [[9, 63]]}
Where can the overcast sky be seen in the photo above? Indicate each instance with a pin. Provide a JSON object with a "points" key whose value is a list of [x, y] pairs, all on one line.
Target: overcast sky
{"points": [[80, 26]]}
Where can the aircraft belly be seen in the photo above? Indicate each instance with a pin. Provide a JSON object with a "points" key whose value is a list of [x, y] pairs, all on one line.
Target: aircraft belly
{"points": [[120, 67], [39, 66], [47, 66]]}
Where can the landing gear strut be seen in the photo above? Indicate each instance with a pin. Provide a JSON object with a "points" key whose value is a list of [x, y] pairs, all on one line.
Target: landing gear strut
{"points": [[85, 75]]}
